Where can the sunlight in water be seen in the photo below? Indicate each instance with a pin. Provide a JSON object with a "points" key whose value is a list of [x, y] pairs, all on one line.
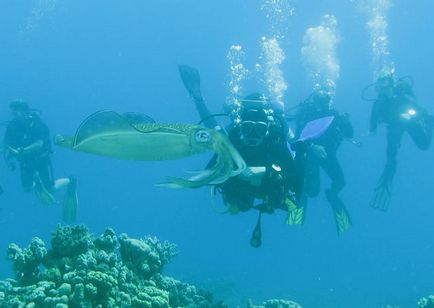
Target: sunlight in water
{"points": [[319, 54], [238, 73], [272, 58], [376, 12]]}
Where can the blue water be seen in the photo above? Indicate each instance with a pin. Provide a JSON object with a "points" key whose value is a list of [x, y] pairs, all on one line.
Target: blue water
{"points": [[71, 58]]}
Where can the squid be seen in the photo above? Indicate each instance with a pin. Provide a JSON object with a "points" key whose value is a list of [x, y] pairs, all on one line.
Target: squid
{"points": [[134, 136]]}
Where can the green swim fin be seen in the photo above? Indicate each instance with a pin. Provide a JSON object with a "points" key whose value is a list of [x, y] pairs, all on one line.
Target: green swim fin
{"points": [[343, 221], [70, 203], [295, 213]]}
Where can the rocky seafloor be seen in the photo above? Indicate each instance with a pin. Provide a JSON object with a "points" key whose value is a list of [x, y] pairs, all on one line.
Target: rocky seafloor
{"points": [[110, 270]]}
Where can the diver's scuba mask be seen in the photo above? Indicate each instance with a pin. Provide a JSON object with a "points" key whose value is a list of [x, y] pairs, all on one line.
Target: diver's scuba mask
{"points": [[253, 132]]}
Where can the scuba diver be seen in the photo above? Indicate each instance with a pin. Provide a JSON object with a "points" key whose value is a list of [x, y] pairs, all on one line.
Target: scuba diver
{"points": [[396, 107], [321, 153], [259, 132], [27, 141]]}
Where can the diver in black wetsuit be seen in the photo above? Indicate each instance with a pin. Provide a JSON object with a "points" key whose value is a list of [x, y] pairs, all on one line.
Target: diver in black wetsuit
{"points": [[273, 179], [27, 141], [396, 107], [321, 153], [260, 137]]}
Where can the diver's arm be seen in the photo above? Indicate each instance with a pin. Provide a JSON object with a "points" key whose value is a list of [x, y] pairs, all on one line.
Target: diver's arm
{"points": [[20, 151], [253, 175], [34, 147]]}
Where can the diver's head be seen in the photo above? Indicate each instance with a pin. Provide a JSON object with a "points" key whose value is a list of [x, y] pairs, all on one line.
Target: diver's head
{"points": [[385, 84], [318, 101], [404, 88], [19, 108], [254, 119]]}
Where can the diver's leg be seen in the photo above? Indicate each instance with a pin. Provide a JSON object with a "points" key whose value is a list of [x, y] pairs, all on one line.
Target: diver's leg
{"points": [[61, 183], [27, 173], [309, 189], [334, 170], [70, 200], [312, 183], [45, 171]]}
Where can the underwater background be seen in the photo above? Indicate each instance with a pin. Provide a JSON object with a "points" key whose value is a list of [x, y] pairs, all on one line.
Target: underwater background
{"points": [[72, 58]]}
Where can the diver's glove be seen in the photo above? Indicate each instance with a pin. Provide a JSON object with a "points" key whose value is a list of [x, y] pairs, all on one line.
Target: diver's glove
{"points": [[253, 175]]}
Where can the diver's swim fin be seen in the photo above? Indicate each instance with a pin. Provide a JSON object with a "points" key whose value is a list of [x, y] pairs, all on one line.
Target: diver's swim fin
{"points": [[343, 221], [342, 217], [70, 203], [42, 192], [191, 79], [256, 240], [295, 213]]}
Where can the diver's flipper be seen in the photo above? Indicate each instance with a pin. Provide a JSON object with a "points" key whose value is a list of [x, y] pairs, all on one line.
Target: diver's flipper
{"points": [[381, 198], [295, 212], [42, 192], [383, 192], [191, 79], [256, 240], [343, 221], [70, 203], [342, 217]]}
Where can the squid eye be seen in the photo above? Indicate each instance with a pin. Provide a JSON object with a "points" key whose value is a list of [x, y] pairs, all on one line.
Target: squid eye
{"points": [[202, 136]]}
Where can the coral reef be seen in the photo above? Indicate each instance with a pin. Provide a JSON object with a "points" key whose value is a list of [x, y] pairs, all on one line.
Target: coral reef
{"points": [[275, 303], [81, 270], [426, 302]]}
